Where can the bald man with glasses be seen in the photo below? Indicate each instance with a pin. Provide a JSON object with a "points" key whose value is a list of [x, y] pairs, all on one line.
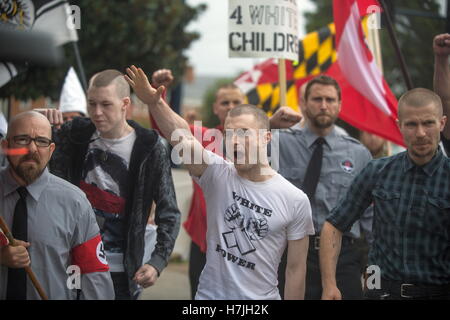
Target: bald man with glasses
{"points": [[52, 220]]}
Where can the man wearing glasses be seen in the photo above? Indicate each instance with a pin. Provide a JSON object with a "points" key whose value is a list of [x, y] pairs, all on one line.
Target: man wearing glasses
{"points": [[122, 168], [52, 220]]}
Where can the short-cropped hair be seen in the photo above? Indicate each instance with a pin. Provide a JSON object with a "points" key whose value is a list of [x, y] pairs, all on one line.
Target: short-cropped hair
{"points": [[323, 80], [260, 116], [108, 77], [420, 97]]}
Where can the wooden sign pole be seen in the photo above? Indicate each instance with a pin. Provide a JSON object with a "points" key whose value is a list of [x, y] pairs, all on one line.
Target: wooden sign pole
{"points": [[282, 81]]}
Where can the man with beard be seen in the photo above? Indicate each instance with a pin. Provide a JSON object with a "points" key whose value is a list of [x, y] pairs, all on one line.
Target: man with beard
{"points": [[410, 193], [122, 168], [52, 221], [322, 162]]}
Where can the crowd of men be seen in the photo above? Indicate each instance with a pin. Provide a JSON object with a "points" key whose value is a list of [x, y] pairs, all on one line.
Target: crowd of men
{"points": [[276, 214]]}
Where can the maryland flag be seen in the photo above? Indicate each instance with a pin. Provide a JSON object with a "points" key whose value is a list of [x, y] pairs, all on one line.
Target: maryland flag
{"points": [[368, 105], [317, 53]]}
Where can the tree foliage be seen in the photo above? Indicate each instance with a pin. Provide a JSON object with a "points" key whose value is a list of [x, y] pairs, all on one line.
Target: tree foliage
{"points": [[113, 35], [414, 33]]}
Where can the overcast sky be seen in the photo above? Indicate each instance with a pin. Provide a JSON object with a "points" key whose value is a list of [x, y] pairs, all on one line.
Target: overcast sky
{"points": [[209, 55]]}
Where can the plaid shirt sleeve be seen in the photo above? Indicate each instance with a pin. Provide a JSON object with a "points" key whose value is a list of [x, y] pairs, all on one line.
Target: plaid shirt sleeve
{"points": [[357, 199]]}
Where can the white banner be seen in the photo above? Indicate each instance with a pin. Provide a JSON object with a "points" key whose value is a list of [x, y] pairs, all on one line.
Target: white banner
{"points": [[263, 29]]}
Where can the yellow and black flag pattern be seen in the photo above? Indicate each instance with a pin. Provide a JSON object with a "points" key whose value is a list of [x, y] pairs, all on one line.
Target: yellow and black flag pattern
{"points": [[317, 53]]}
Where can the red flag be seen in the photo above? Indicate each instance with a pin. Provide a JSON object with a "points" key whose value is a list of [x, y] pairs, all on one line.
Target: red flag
{"points": [[368, 102], [362, 107], [3, 239]]}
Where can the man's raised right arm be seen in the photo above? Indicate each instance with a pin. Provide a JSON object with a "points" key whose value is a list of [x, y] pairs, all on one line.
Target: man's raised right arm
{"points": [[441, 48], [172, 126]]}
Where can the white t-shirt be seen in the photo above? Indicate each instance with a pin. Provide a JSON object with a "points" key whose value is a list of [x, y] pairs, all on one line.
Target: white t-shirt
{"points": [[249, 224]]}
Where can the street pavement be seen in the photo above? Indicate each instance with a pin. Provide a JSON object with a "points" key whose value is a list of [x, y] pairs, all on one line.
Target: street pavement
{"points": [[173, 284]]}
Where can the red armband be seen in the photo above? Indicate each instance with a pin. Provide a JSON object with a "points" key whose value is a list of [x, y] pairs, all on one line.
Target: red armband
{"points": [[90, 256]]}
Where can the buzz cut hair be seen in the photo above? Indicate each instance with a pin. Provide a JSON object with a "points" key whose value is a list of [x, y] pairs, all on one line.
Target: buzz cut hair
{"points": [[260, 116], [26, 115], [107, 77], [228, 86], [325, 81], [419, 97]]}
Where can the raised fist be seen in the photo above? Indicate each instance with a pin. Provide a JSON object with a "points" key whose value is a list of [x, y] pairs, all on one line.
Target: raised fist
{"points": [[257, 228], [233, 217]]}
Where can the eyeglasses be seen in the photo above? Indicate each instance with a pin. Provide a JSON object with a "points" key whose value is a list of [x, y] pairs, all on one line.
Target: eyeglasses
{"points": [[25, 140]]}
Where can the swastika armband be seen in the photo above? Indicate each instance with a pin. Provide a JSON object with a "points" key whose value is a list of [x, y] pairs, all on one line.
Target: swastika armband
{"points": [[90, 256]]}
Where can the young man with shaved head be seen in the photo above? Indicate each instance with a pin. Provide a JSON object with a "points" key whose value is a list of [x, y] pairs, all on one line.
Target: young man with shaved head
{"points": [[252, 212], [51, 219], [123, 168], [227, 97], [411, 196]]}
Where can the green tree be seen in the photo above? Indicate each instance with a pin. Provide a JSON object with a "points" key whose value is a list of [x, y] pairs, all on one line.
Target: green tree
{"points": [[113, 35], [414, 33]]}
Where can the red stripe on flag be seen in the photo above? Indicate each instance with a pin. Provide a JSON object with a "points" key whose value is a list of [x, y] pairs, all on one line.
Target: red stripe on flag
{"points": [[3, 239], [368, 103], [364, 5], [362, 114], [341, 12]]}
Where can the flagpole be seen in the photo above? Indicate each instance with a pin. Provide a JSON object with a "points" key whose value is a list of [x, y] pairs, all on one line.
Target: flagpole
{"points": [[398, 52], [28, 270], [80, 65], [282, 81], [373, 37]]}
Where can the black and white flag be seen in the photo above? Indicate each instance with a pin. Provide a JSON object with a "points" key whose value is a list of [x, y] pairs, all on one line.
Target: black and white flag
{"points": [[49, 16]]}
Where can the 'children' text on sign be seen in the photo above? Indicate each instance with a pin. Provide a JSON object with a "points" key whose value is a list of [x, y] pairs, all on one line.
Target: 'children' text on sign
{"points": [[263, 29]]}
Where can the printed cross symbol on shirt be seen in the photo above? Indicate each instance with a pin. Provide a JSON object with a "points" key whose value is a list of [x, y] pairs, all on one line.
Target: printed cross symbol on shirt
{"points": [[244, 229]]}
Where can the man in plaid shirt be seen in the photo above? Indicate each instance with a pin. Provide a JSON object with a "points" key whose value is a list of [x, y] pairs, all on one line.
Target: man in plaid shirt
{"points": [[411, 196]]}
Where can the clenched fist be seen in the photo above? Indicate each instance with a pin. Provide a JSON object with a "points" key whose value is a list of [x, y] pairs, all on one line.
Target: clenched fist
{"points": [[17, 256]]}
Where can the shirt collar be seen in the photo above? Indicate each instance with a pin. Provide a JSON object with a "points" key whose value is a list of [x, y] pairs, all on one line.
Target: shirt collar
{"points": [[311, 137], [430, 167], [35, 189]]}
